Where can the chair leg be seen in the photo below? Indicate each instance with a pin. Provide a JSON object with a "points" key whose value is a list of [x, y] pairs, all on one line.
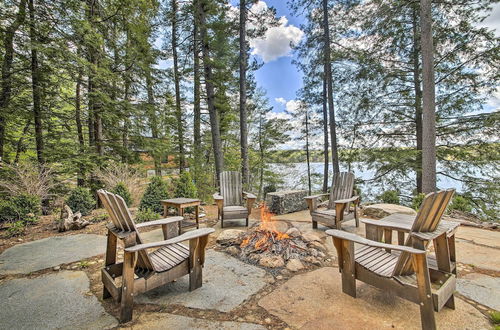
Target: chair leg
{"points": [[127, 299], [221, 222], [424, 292], [348, 269], [110, 258], [195, 274], [247, 221], [451, 302], [356, 217], [315, 224]]}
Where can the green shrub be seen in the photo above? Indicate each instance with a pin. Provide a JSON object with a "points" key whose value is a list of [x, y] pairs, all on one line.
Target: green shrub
{"points": [[184, 186], [390, 197], [16, 228], [146, 215], [156, 191], [24, 207], [461, 203], [417, 201], [81, 200], [122, 190], [495, 317], [269, 188]]}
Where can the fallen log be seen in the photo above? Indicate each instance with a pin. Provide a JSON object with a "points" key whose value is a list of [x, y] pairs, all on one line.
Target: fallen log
{"points": [[70, 220]]}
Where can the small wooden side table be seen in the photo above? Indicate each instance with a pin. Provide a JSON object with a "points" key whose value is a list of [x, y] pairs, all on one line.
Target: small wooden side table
{"points": [[180, 204]]}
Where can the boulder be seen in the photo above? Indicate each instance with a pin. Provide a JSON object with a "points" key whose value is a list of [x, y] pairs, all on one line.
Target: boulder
{"points": [[229, 235], [293, 232], [288, 201], [294, 265], [272, 261], [310, 237], [379, 211]]}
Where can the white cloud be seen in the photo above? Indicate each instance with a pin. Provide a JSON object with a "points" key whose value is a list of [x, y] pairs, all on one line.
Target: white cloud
{"points": [[293, 106], [280, 100], [276, 41]]}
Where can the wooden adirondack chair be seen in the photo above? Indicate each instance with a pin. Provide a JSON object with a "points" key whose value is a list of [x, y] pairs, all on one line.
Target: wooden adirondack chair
{"points": [[340, 199], [141, 270], [407, 270], [232, 201]]}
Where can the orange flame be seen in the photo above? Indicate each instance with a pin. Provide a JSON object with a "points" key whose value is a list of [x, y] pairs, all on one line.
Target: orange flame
{"points": [[268, 224]]}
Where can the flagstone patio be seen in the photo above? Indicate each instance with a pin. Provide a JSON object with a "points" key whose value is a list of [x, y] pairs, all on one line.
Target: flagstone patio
{"points": [[235, 295]]}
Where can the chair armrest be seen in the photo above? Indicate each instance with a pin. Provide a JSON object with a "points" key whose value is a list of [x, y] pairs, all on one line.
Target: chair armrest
{"points": [[184, 237], [315, 196], [312, 201], [159, 222], [347, 200], [442, 229], [217, 197], [360, 240], [249, 195], [393, 225]]}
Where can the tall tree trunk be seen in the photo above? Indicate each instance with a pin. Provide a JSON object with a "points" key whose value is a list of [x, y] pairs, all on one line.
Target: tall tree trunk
{"points": [[19, 145], [418, 100], [178, 111], [209, 86], [325, 138], [79, 129], [35, 84], [329, 83], [6, 84], [243, 95], [261, 160], [429, 101], [126, 99], [197, 100], [307, 153], [153, 122], [90, 114]]}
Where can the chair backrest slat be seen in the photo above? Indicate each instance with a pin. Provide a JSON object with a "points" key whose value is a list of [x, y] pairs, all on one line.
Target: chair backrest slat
{"points": [[427, 220], [342, 187], [231, 188], [122, 220]]}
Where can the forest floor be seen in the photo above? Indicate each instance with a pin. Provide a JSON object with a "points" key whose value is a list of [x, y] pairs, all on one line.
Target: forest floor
{"points": [[53, 278]]}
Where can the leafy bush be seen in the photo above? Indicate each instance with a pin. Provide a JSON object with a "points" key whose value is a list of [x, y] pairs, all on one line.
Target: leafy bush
{"points": [[24, 208], [81, 200], [184, 186], [461, 203], [417, 201], [390, 197], [27, 178], [122, 190], [156, 191], [16, 229], [269, 188], [146, 215]]}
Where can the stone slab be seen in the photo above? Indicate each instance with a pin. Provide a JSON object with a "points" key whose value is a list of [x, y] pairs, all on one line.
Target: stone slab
{"points": [[379, 211], [49, 252], [477, 255], [315, 300], [288, 201], [479, 236], [301, 216], [481, 288], [227, 282], [56, 301], [162, 321]]}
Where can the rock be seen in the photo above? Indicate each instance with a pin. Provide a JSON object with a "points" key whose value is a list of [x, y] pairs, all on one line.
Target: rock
{"points": [[294, 265], [379, 211], [481, 288], [56, 268], [293, 232], [314, 300], [272, 261], [70, 220], [229, 235], [233, 250], [309, 237], [287, 201], [312, 260], [267, 320], [318, 246], [279, 277], [156, 321]]}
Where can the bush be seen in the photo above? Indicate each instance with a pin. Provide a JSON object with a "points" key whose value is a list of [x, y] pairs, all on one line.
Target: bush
{"points": [[122, 190], [269, 188], [390, 197], [24, 208], [81, 200], [156, 191], [417, 200], [16, 229], [146, 215], [184, 186], [115, 173], [461, 203]]}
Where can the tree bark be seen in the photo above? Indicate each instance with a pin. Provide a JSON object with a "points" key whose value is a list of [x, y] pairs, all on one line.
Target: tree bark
{"points": [[79, 128], [178, 111], [35, 84], [325, 139], [329, 83], [197, 99], [212, 110], [19, 145], [307, 153], [6, 84], [429, 102], [243, 95], [418, 101], [153, 122]]}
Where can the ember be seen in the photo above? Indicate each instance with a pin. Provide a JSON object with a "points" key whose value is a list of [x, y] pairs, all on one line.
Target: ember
{"points": [[270, 247]]}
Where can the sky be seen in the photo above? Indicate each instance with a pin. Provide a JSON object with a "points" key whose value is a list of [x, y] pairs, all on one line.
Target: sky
{"points": [[281, 79]]}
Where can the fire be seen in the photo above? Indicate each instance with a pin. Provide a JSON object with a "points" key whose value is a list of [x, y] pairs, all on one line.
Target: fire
{"points": [[268, 228]]}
